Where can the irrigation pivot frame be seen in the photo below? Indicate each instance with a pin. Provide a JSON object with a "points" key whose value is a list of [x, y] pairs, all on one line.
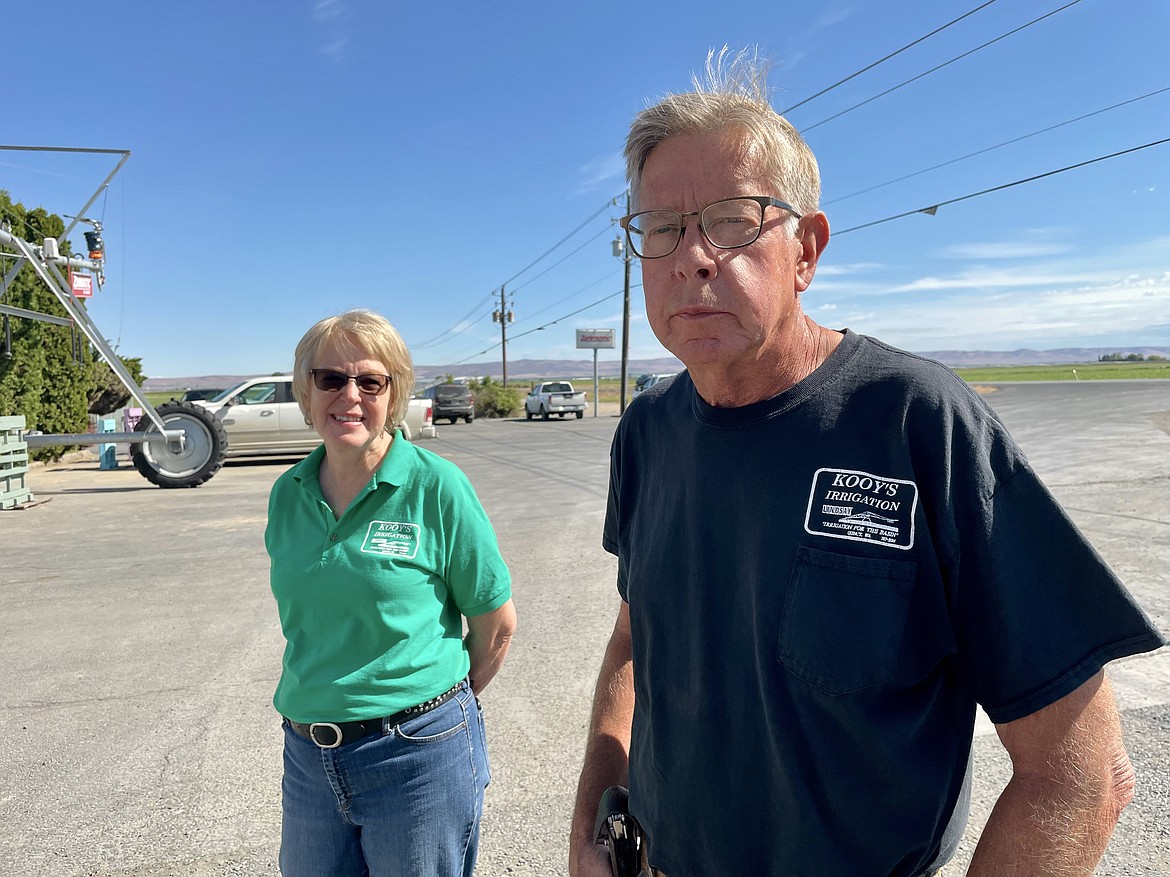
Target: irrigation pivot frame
{"points": [[176, 445]]}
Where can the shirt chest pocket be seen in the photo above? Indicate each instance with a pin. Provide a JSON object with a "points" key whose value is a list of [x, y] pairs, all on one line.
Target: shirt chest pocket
{"points": [[844, 618]]}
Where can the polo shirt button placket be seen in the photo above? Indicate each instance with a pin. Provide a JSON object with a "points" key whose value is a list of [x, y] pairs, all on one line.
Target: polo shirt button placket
{"points": [[333, 537]]}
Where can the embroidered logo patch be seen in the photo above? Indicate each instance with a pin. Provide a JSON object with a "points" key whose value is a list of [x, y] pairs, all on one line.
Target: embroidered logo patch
{"points": [[845, 504], [391, 538]]}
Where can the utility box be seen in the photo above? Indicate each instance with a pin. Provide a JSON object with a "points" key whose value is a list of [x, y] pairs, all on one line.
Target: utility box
{"points": [[107, 453], [14, 490]]}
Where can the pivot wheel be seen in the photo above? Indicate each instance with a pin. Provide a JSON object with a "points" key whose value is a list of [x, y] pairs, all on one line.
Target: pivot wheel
{"points": [[161, 462]]}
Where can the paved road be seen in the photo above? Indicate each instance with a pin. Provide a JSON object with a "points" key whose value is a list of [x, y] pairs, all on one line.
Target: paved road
{"points": [[140, 643]]}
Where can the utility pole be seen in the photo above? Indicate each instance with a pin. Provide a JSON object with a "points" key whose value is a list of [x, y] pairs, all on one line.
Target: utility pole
{"points": [[503, 316], [625, 256]]}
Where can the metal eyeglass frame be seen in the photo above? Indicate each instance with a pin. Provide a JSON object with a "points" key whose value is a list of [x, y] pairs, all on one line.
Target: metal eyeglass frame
{"points": [[764, 201]]}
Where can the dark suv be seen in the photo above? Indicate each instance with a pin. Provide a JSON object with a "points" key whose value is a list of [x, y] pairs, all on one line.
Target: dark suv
{"points": [[452, 401]]}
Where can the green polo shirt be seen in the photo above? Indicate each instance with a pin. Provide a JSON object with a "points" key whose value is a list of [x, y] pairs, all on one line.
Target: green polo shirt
{"points": [[372, 604]]}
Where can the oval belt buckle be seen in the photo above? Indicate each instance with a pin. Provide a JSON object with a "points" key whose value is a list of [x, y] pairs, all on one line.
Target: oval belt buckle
{"points": [[332, 727]]}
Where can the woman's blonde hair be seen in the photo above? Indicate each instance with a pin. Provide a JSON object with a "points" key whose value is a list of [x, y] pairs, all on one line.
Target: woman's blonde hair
{"points": [[370, 333]]}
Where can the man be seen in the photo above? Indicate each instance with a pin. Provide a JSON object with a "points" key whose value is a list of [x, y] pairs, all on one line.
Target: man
{"points": [[829, 551]]}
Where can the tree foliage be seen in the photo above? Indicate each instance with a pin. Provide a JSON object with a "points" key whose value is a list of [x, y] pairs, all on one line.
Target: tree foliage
{"points": [[49, 373], [1127, 357], [107, 393]]}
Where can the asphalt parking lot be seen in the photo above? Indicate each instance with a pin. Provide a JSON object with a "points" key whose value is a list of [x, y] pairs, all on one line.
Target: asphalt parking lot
{"points": [[141, 646]]}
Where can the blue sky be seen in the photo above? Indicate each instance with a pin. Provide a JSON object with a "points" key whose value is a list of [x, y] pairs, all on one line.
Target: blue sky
{"points": [[294, 159]]}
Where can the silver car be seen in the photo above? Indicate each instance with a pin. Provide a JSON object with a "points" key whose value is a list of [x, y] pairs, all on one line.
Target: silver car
{"points": [[261, 416]]}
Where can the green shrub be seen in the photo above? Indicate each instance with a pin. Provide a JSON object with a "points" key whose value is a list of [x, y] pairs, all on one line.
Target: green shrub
{"points": [[493, 399]]}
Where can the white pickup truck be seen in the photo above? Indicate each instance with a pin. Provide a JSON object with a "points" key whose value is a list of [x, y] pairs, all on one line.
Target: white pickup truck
{"points": [[260, 416], [554, 397]]}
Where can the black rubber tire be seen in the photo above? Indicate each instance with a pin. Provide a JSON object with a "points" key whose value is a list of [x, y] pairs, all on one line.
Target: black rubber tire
{"points": [[202, 454], [469, 418], [543, 413], [452, 420], [527, 414], [580, 414]]}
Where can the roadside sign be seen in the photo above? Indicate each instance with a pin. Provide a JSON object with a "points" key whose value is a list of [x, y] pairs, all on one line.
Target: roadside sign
{"points": [[81, 284], [595, 339]]}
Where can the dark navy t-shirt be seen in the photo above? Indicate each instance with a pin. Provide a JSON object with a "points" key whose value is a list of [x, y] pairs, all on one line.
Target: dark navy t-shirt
{"points": [[821, 588]]}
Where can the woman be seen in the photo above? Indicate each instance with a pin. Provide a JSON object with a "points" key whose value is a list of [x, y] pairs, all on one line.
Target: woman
{"points": [[380, 549]]}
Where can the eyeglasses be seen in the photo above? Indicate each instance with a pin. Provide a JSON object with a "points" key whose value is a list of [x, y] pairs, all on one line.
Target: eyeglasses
{"points": [[728, 225], [330, 381]]}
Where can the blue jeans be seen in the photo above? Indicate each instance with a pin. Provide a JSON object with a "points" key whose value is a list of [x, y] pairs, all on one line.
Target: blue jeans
{"points": [[404, 802]]}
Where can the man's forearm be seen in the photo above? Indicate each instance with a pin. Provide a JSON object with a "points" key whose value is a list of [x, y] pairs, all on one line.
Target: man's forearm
{"points": [[1071, 778], [1043, 828], [607, 749]]}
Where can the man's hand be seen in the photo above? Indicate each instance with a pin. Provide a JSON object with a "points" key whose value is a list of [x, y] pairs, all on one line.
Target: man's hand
{"points": [[589, 860]]}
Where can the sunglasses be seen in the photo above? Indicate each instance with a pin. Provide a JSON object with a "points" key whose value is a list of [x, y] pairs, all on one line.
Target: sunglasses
{"points": [[330, 381]]}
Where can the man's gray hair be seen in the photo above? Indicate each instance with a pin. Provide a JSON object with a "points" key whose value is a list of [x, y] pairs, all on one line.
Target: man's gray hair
{"points": [[732, 94]]}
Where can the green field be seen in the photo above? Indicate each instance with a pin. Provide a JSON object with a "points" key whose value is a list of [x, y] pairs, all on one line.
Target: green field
{"points": [[1089, 371], [156, 398]]}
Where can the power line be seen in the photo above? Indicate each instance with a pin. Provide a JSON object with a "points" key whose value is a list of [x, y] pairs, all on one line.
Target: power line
{"points": [[490, 297], [604, 207], [455, 330], [998, 145], [938, 67], [550, 323], [552, 305], [893, 54], [933, 208], [820, 93], [568, 256]]}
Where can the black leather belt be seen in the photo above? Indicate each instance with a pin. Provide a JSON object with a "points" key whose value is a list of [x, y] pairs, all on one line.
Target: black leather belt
{"points": [[330, 735]]}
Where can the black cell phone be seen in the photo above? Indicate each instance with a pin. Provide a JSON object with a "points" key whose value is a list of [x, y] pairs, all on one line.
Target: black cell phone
{"points": [[620, 832]]}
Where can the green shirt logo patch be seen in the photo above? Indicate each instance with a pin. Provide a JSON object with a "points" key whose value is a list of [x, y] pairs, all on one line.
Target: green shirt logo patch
{"points": [[390, 538]]}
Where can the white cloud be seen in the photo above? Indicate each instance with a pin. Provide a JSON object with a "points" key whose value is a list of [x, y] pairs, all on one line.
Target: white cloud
{"points": [[1024, 316], [602, 170], [826, 270], [331, 16], [335, 49], [979, 279], [833, 15], [1005, 250], [329, 10]]}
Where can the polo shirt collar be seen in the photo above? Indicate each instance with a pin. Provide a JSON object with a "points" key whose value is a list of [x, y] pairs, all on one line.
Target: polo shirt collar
{"points": [[396, 465], [393, 470]]}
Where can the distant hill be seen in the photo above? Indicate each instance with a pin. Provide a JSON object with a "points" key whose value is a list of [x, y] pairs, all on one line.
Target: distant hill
{"points": [[537, 369], [200, 382], [527, 370]]}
